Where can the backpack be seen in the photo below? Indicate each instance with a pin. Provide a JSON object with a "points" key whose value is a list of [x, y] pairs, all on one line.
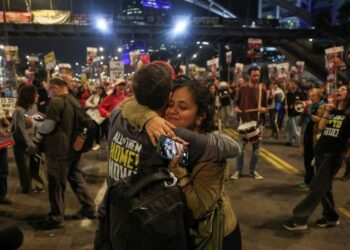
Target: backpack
{"points": [[146, 214], [82, 121]]}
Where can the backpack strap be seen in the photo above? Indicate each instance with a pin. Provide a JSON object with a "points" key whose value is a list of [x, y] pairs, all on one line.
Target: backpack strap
{"points": [[163, 175]]}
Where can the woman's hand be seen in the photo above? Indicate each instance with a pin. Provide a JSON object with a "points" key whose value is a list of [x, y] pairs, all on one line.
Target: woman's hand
{"points": [[177, 170], [315, 118], [156, 127]]}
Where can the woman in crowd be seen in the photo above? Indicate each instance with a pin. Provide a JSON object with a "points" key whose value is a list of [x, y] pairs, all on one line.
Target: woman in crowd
{"points": [[4, 167], [91, 103], [83, 94], [275, 100], [191, 107], [28, 166], [109, 103], [329, 154]]}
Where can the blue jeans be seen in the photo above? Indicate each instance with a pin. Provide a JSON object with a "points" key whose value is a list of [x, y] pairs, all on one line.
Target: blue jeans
{"points": [[292, 129], [254, 158], [4, 171]]}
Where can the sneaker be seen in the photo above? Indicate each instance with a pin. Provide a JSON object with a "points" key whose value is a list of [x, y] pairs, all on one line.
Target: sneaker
{"points": [[323, 222], [6, 201], [235, 176], [303, 185], [96, 147], [29, 191], [256, 175], [49, 224], [85, 213], [292, 226]]}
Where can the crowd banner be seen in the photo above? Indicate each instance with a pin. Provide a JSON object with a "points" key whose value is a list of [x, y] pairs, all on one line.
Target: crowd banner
{"points": [[11, 54], [334, 58], [116, 70], [50, 16], [254, 46], [50, 60], [16, 17]]}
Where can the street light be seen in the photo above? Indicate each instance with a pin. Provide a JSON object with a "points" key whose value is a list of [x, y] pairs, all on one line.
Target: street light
{"points": [[120, 49], [180, 26], [102, 24], [101, 49]]}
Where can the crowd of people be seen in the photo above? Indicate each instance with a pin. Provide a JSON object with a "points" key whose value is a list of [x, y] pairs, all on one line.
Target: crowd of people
{"points": [[315, 119]]}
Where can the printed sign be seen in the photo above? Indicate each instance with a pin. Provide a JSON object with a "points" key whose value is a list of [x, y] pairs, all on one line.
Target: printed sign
{"points": [[116, 70], [50, 60], [254, 46], [229, 57], [11, 54], [334, 59], [7, 106]]}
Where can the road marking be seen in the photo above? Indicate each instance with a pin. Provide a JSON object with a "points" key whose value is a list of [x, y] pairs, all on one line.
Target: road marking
{"points": [[270, 157], [344, 211]]}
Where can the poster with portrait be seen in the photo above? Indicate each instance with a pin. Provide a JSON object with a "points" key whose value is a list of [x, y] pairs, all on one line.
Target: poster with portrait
{"points": [[253, 48], [238, 70], [282, 71], [334, 59], [134, 57], [91, 55], [272, 71], [11, 54], [182, 70], [228, 57], [213, 67], [64, 68], [116, 70], [50, 60]]}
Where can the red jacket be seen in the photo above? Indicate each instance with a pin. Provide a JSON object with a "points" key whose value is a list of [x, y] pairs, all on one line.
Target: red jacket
{"points": [[109, 103], [84, 96]]}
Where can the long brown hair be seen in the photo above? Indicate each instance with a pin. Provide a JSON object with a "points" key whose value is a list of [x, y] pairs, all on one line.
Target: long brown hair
{"points": [[26, 97]]}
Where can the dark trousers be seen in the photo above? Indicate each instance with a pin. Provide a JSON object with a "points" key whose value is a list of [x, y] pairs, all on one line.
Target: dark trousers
{"points": [[273, 121], [105, 128], [4, 171], [308, 156], [58, 172], [98, 133], [327, 167], [22, 163]]}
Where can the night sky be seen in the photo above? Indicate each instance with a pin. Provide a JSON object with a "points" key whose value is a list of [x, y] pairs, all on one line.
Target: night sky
{"points": [[72, 50]]}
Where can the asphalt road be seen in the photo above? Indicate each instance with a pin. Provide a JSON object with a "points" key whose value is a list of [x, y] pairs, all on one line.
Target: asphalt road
{"points": [[261, 206]]}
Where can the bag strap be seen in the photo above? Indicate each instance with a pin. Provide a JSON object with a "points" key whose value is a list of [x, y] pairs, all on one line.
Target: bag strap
{"points": [[162, 175]]}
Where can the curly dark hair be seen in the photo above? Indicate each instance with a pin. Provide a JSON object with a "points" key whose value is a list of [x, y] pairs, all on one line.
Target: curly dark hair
{"points": [[204, 102], [152, 85], [26, 96]]}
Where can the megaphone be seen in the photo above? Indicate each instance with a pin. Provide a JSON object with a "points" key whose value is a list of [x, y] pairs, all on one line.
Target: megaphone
{"points": [[300, 106]]}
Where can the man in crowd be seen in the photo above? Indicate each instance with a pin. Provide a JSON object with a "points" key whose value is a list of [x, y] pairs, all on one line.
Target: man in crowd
{"points": [[62, 160], [247, 98], [292, 128]]}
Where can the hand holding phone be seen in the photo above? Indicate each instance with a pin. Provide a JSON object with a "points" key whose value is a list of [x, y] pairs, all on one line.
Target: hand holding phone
{"points": [[168, 149]]}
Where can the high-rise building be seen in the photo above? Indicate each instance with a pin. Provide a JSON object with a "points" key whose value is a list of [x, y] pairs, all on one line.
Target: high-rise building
{"points": [[269, 9]]}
